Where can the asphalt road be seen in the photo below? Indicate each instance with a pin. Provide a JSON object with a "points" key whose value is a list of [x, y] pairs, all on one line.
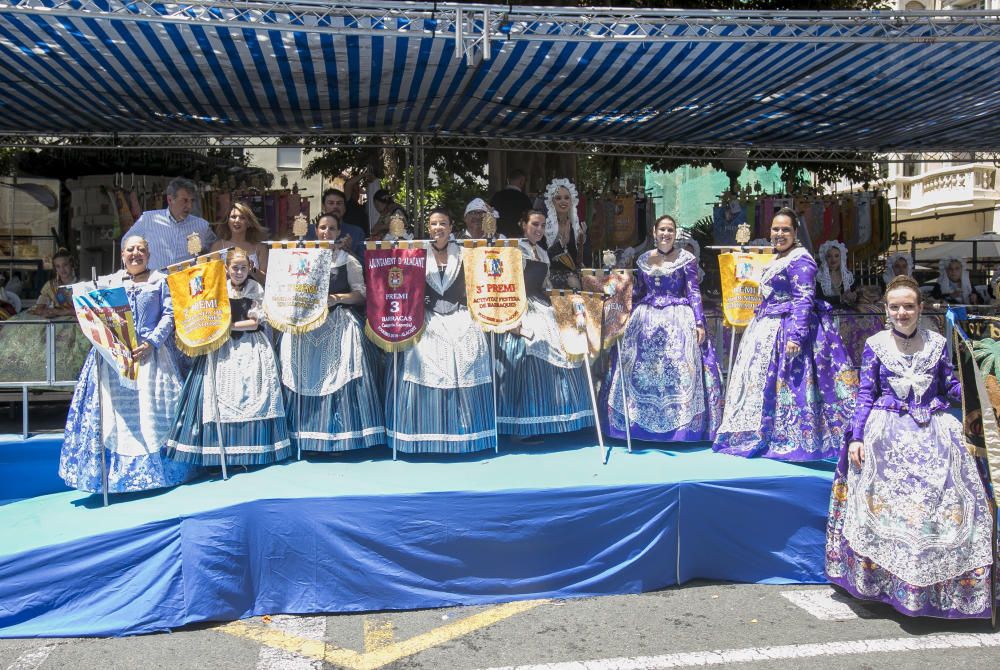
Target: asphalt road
{"points": [[697, 625]]}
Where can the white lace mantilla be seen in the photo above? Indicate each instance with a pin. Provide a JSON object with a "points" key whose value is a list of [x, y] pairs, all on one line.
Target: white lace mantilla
{"points": [[661, 270], [915, 374], [745, 393]]}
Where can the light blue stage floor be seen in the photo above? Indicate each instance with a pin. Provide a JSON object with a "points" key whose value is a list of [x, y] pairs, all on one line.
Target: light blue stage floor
{"points": [[559, 463], [360, 532]]}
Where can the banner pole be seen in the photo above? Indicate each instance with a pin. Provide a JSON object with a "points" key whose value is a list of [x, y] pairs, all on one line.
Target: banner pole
{"points": [[621, 377], [395, 403], [218, 416], [298, 395], [732, 348], [593, 404], [100, 426], [493, 369], [100, 409]]}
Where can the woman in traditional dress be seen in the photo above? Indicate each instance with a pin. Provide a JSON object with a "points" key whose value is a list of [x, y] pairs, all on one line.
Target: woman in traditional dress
{"points": [[953, 285], [25, 346], [835, 283], [565, 235], [331, 392], [667, 364], [791, 392], [233, 396], [242, 230], [541, 389], [856, 317], [910, 522], [443, 397], [128, 421], [897, 264]]}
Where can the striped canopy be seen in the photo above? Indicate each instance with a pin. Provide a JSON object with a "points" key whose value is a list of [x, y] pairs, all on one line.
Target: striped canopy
{"points": [[218, 68]]}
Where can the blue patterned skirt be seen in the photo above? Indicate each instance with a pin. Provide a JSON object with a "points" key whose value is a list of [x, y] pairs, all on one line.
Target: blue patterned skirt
{"points": [[536, 397], [442, 400], [135, 422], [332, 401], [259, 436]]}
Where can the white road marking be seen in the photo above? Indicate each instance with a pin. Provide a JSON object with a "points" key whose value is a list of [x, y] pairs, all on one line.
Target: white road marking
{"points": [[308, 628], [778, 653], [821, 604], [32, 658]]}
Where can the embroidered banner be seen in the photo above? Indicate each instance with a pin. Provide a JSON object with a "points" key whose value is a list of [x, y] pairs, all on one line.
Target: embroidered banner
{"points": [[395, 281], [494, 284], [298, 284], [740, 274], [201, 307], [107, 321], [579, 318], [977, 343], [617, 286]]}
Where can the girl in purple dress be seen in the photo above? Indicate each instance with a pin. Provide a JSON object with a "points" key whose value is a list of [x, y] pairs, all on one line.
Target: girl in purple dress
{"points": [[910, 522], [667, 365], [791, 392]]}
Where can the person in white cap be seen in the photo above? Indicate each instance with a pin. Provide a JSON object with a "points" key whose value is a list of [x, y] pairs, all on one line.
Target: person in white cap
{"points": [[475, 211]]}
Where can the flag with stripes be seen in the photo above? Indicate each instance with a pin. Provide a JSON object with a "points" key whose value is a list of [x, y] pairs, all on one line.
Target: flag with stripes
{"points": [[107, 321]]}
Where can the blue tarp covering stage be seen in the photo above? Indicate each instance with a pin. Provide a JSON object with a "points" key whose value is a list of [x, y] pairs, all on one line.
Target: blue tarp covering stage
{"points": [[366, 533]]}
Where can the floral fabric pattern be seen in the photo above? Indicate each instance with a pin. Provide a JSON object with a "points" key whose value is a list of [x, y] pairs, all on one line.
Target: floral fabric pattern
{"points": [[783, 406]]}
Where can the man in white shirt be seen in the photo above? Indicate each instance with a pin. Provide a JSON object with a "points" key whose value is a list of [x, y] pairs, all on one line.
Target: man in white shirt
{"points": [[166, 230]]}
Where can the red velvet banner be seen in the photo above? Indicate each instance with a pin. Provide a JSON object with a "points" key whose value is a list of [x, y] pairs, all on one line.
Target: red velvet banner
{"points": [[395, 282]]}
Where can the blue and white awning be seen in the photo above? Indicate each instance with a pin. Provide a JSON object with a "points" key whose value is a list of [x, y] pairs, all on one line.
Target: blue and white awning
{"points": [[308, 68]]}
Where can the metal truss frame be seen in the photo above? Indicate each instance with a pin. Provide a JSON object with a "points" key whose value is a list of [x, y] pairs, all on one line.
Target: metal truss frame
{"points": [[475, 26], [465, 143]]}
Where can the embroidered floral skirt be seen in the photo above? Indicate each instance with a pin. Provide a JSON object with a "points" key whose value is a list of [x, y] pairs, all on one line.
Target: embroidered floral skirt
{"points": [[671, 383], [789, 408], [913, 527]]}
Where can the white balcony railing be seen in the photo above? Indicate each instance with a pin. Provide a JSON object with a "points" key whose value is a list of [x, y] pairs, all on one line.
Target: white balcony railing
{"points": [[947, 186]]}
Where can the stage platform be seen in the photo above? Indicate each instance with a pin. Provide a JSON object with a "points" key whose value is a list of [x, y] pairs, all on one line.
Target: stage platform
{"points": [[360, 532]]}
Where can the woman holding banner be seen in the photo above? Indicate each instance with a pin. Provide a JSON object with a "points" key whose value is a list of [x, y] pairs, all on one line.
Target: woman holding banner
{"points": [[910, 522], [444, 397], [236, 401], [129, 420], [331, 396], [791, 392], [541, 390], [667, 365]]}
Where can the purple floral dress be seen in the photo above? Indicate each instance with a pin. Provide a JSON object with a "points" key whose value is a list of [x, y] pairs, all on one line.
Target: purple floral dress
{"points": [[790, 408], [911, 528], [671, 382]]}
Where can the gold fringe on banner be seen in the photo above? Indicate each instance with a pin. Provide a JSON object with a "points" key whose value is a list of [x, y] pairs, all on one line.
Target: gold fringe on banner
{"points": [[299, 329], [392, 347], [206, 348]]}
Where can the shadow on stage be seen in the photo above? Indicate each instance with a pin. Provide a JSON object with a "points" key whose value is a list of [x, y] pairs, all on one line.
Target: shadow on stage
{"points": [[357, 531]]}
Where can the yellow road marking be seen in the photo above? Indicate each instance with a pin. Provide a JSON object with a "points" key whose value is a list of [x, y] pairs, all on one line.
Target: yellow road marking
{"points": [[278, 639], [379, 633], [379, 648], [446, 633]]}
